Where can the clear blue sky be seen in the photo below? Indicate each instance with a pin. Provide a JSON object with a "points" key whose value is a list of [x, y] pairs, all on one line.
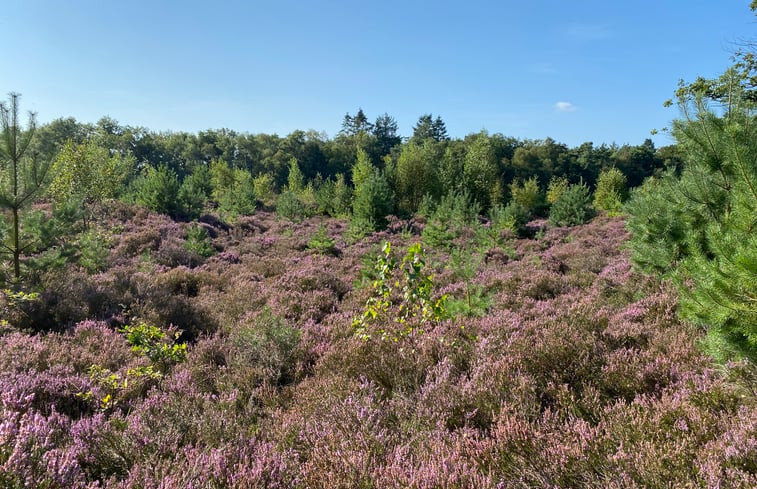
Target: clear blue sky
{"points": [[572, 70]]}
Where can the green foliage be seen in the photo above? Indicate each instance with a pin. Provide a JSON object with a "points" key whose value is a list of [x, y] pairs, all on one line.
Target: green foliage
{"points": [[527, 195], [611, 191], [289, 207], [363, 168], [321, 243], [573, 207], [153, 343], [465, 264], [158, 190], [341, 197], [22, 177], [233, 189], [416, 310], [117, 388], [480, 170], [511, 218], [295, 178], [374, 200], [195, 191], [93, 250], [263, 185], [198, 241], [14, 305], [416, 176], [88, 172], [556, 187], [699, 228], [451, 218], [51, 238]]}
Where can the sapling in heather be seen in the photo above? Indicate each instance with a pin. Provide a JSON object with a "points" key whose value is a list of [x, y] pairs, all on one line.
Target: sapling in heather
{"points": [[416, 306]]}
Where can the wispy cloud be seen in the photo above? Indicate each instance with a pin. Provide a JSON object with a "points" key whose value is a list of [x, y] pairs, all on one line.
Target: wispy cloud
{"points": [[565, 107]]}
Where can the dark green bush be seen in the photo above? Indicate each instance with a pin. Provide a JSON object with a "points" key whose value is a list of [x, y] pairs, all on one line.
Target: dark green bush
{"points": [[573, 207]]}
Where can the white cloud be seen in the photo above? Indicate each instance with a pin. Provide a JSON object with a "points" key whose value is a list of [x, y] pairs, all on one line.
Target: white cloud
{"points": [[564, 107]]}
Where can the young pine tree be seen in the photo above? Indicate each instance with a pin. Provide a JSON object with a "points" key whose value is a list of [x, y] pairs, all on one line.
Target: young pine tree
{"points": [[22, 177], [700, 228]]}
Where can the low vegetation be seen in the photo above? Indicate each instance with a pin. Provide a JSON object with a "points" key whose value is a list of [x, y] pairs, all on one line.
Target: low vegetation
{"points": [[230, 310]]}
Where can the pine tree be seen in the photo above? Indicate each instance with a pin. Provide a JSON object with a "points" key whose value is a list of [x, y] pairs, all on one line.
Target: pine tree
{"points": [[572, 207], [700, 228], [22, 178]]}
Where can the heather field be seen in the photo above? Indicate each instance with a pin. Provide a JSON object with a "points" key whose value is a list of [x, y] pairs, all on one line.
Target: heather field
{"points": [[276, 354]]}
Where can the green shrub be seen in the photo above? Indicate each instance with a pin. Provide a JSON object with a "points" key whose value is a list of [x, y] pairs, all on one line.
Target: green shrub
{"points": [[454, 214], [321, 242], [527, 195], [416, 310], [158, 190], [511, 218], [93, 251], [573, 207], [195, 191], [289, 207], [611, 191], [198, 241], [153, 343], [374, 200], [556, 187]]}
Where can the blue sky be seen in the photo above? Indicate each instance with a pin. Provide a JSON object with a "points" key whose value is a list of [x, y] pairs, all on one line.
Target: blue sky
{"points": [[572, 70]]}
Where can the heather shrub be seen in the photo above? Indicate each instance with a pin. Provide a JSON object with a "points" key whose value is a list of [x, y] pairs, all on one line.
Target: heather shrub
{"points": [[264, 348], [32, 452], [168, 299]]}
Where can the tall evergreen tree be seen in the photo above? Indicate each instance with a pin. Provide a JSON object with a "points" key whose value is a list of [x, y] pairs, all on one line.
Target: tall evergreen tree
{"points": [[385, 131], [429, 128]]}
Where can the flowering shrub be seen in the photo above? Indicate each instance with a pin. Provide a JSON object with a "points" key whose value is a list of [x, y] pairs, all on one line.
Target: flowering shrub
{"points": [[574, 372]]}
